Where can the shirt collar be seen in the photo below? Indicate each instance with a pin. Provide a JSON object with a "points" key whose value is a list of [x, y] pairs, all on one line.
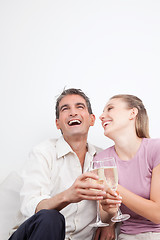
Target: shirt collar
{"points": [[91, 149], [63, 148]]}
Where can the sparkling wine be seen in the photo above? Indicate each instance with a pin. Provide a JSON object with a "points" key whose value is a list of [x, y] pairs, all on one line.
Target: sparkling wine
{"points": [[109, 175]]}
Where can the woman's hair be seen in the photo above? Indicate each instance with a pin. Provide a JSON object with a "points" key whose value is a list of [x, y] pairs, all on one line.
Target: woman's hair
{"points": [[142, 121]]}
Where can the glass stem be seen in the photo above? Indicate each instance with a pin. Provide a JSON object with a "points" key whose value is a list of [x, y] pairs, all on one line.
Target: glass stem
{"points": [[98, 213], [119, 213]]}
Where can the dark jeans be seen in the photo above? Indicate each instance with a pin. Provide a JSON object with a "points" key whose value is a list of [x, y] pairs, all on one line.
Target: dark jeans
{"points": [[44, 225]]}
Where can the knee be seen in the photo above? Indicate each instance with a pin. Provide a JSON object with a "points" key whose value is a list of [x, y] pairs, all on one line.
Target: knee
{"points": [[50, 217]]}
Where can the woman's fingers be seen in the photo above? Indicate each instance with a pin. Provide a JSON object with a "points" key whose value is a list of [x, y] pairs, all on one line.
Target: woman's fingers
{"points": [[109, 199]]}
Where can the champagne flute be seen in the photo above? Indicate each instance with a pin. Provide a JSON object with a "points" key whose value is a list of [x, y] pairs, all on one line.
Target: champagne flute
{"points": [[106, 169], [111, 174], [99, 167]]}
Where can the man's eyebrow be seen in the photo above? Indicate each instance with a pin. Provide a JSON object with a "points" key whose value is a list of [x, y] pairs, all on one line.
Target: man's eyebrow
{"points": [[65, 105], [79, 103]]}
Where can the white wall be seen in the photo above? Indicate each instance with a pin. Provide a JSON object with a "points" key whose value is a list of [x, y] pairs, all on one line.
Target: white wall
{"points": [[103, 47]]}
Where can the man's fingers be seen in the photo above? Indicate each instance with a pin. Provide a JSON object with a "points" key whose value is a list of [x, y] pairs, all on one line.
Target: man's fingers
{"points": [[92, 192], [86, 182], [88, 175]]}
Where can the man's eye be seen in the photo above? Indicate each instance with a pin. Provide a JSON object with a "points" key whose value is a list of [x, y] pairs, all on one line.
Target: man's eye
{"points": [[63, 109], [80, 106]]}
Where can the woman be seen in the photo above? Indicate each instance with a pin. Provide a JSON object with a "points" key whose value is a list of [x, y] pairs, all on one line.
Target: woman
{"points": [[137, 156]]}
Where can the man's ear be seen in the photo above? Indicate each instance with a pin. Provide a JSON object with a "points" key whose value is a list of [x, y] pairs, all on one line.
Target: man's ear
{"points": [[57, 124], [92, 120], [134, 112]]}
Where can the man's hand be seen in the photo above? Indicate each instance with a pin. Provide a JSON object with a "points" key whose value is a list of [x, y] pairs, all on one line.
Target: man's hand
{"points": [[85, 187], [105, 233]]}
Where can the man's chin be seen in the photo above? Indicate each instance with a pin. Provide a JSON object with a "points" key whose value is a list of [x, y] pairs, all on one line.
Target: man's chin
{"points": [[77, 134]]}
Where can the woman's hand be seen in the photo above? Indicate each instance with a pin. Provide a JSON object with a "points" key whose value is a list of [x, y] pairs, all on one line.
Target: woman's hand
{"points": [[111, 201]]}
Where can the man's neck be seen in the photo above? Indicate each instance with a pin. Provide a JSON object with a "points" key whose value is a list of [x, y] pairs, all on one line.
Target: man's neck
{"points": [[79, 146]]}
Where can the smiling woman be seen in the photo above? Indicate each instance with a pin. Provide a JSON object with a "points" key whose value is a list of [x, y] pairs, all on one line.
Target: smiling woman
{"points": [[119, 112], [125, 121]]}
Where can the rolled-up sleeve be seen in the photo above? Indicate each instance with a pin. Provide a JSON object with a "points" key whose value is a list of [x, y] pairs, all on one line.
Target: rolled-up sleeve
{"points": [[37, 181]]}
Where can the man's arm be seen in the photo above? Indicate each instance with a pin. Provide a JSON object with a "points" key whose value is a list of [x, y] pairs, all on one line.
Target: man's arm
{"points": [[107, 233], [82, 189]]}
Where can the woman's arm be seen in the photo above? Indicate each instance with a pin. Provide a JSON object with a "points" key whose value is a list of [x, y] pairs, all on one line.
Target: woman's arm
{"points": [[149, 209]]}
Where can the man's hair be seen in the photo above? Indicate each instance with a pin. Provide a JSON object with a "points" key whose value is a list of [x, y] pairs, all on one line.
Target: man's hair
{"points": [[72, 91]]}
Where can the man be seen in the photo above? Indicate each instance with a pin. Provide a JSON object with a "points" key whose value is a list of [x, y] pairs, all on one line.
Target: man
{"points": [[57, 196]]}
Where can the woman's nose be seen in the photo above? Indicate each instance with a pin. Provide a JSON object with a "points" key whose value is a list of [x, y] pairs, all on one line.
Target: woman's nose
{"points": [[101, 117]]}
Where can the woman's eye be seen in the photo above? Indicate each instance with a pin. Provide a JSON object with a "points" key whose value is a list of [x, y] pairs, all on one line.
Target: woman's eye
{"points": [[109, 108]]}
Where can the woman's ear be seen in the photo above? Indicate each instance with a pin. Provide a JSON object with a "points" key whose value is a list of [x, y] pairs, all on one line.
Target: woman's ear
{"points": [[134, 112]]}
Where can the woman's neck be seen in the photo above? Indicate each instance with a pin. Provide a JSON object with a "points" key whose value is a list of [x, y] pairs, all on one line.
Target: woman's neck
{"points": [[126, 148]]}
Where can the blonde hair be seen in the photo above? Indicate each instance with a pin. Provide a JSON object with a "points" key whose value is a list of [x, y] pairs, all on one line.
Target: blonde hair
{"points": [[142, 121]]}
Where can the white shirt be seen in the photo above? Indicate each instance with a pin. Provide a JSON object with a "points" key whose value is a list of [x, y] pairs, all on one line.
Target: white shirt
{"points": [[52, 168]]}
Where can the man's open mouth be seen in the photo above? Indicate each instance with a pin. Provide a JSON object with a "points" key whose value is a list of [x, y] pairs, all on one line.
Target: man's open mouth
{"points": [[74, 122]]}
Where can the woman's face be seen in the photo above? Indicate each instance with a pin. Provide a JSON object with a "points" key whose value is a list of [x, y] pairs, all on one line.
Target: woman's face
{"points": [[116, 118]]}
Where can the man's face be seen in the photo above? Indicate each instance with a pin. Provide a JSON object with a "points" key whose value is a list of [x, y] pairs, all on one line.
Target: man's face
{"points": [[74, 118]]}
